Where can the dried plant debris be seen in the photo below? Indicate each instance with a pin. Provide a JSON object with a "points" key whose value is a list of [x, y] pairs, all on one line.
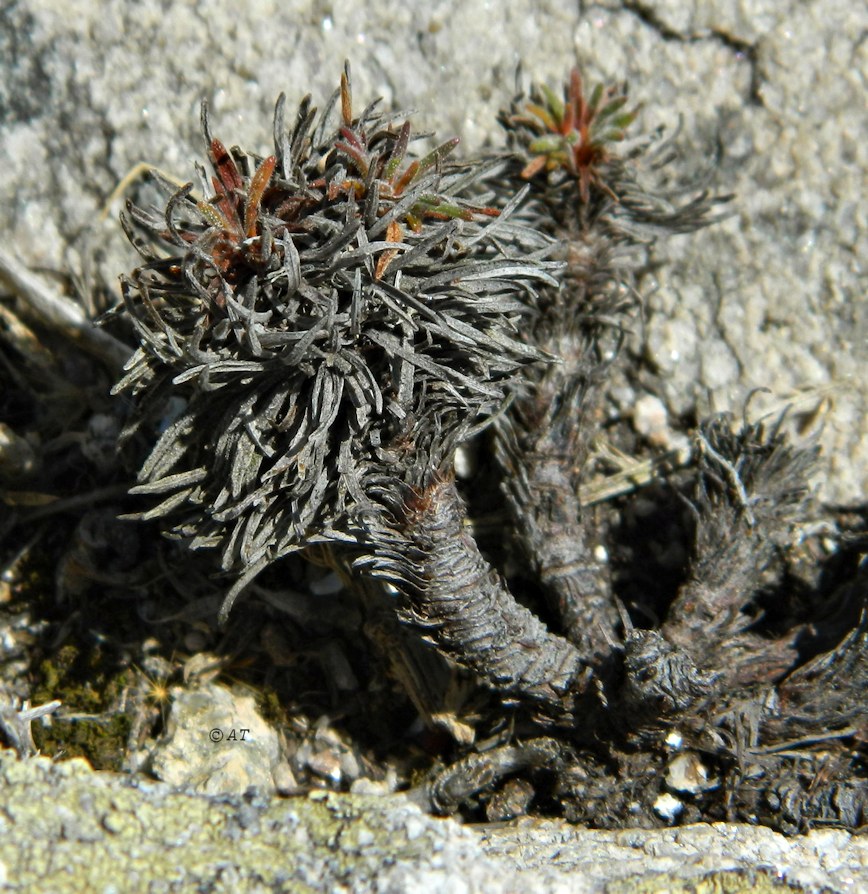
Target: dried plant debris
{"points": [[16, 719], [319, 329]]}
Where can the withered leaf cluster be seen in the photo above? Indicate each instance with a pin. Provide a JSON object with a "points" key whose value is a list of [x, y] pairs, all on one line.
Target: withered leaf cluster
{"points": [[321, 328], [336, 318]]}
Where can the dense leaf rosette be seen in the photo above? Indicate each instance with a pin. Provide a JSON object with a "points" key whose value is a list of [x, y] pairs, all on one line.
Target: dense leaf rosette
{"points": [[334, 319]]}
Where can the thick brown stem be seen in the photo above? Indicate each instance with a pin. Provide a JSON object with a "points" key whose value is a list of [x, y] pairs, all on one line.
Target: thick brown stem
{"points": [[451, 592], [542, 449], [751, 484]]}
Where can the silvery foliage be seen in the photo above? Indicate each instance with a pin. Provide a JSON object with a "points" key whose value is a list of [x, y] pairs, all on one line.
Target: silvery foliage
{"points": [[336, 319]]}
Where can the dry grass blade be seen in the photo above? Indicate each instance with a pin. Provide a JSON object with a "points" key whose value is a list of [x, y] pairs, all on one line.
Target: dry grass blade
{"points": [[60, 313]]}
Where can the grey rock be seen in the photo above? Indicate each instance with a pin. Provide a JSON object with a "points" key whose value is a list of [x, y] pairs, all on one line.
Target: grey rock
{"points": [[216, 742], [106, 832]]}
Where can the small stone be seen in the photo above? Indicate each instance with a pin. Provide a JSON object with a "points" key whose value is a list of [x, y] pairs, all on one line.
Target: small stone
{"points": [[651, 421], [285, 781], [668, 807], [687, 773], [216, 743], [350, 766], [511, 801], [674, 740], [326, 765]]}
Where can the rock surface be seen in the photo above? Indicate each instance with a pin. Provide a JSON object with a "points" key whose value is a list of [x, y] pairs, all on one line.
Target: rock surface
{"points": [[64, 828]]}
